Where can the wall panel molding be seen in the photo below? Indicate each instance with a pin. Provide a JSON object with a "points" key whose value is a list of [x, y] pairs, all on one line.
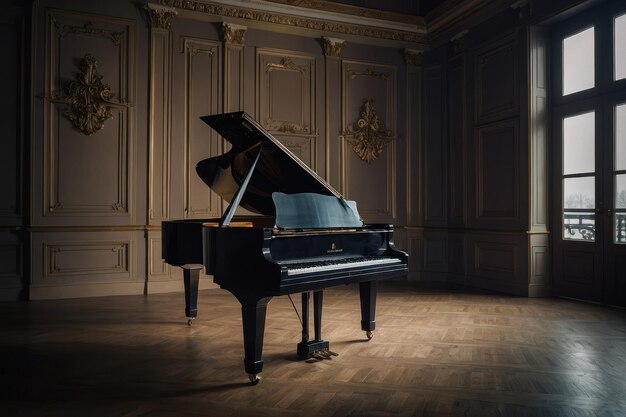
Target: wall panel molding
{"points": [[497, 80], [80, 264], [495, 259], [435, 252], [498, 261], [233, 77], [435, 176], [202, 97], [287, 100], [160, 124], [375, 189], [457, 128], [414, 145], [157, 268], [88, 175], [539, 271], [498, 173], [414, 249], [64, 259], [538, 129]]}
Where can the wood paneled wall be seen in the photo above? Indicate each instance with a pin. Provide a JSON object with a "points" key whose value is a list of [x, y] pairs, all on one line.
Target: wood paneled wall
{"points": [[96, 200], [88, 187], [13, 119], [481, 223], [463, 180]]}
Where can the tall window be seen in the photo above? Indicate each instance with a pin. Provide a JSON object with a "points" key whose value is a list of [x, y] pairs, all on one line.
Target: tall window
{"points": [[588, 96], [592, 129]]}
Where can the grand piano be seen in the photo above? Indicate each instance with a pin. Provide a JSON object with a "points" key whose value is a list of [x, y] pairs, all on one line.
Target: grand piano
{"points": [[302, 237]]}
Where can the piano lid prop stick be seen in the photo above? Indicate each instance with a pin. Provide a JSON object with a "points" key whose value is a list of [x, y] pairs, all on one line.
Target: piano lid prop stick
{"points": [[232, 207]]}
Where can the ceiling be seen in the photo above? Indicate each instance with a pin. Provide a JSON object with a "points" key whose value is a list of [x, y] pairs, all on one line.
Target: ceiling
{"points": [[410, 7]]}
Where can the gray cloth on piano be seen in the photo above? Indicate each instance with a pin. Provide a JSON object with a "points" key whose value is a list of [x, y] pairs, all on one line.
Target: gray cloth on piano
{"points": [[314, 211]]}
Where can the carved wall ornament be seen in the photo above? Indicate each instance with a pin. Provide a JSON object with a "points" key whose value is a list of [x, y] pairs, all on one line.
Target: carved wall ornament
{"points": [[90, 100], [285, 127], [413, 58], [286, 63], [160, 17], [367, 73], [368, 137], [234, 33], [89, 29], [332, 46]]}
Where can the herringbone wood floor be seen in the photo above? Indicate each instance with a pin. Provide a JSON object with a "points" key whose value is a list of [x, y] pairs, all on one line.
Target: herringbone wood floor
{"points": [[435, 353]]}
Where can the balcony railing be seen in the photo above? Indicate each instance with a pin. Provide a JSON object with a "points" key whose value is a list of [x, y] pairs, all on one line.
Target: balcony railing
{"points": [[581, 225], [620, 227]]}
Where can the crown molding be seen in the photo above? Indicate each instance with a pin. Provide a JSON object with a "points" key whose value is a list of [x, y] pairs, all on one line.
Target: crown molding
{"points": [[308, 21], [332, 6]]}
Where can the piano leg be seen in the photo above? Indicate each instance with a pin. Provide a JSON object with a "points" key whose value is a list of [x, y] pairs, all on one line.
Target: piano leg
{"points": [[191, 276], [253, 309], [367, 292], [305, 317]]}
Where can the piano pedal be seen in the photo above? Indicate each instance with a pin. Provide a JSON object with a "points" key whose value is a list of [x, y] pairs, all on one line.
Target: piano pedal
{"points": [[323, 354], [319, 354], [331, 353]]}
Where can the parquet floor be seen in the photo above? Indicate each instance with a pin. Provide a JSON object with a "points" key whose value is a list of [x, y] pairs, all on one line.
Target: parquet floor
{"points": [[435, 353]]}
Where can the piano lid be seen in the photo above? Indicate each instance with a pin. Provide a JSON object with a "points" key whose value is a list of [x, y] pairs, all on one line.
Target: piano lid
{"points": [[277, 168]]}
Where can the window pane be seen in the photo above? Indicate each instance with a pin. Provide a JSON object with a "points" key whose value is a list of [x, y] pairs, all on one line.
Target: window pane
{"points": [[619, 46], [578, 144], [578, 62], [620, 137], [579, 194], [620, 191]]}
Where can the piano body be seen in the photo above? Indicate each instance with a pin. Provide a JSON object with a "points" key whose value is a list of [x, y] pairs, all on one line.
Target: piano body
{"points": [[305, 238]]}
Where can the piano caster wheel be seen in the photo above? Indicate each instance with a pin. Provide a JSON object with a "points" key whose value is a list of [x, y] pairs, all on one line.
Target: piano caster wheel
{"points": [[254, 379], [190, 320], [369, 334]]}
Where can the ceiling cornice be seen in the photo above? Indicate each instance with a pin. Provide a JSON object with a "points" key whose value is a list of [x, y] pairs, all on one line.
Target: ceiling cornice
{"points": [[360, 28], [319, 18], [332, 6]]}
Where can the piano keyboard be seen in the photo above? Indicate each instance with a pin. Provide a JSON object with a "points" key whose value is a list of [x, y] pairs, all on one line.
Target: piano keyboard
{"points": [[338, 264]]}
